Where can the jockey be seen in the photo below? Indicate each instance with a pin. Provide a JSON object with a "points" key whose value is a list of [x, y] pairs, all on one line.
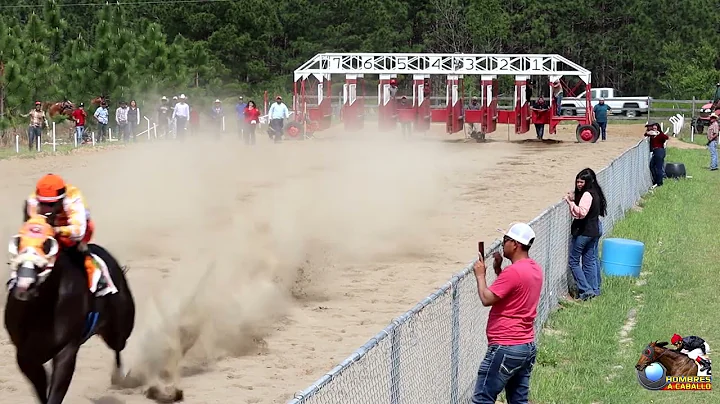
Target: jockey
{"points": [[64, 207], [694, 347]]}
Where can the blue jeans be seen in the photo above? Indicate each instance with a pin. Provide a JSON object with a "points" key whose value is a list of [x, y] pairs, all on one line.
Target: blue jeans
{"points": [[558, 103], [585, 248], [598, 272], [505, 367], [603, 129], [713, 154], [540, 130], [657, 165], [79, 133]]}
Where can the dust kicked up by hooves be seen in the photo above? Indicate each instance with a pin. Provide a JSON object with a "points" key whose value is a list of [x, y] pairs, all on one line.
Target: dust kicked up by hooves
{"points": [[250, 231]]}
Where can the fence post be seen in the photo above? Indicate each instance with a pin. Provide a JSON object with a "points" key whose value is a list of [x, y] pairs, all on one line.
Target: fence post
{"points": [[148, 122], [53, 136], [17, 144], [395, 366], [455, 345], [649, 102]]}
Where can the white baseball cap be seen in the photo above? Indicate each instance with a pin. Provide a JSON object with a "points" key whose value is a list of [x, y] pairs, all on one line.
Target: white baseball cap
{"points": [[520, 232], [182, 96]]}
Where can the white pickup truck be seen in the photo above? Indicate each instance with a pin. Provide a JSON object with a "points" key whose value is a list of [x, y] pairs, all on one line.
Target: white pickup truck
{"points": [[613, 98]]}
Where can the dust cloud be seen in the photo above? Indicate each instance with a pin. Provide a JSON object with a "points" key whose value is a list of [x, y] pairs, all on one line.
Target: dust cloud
{"points": [[250, 231]]}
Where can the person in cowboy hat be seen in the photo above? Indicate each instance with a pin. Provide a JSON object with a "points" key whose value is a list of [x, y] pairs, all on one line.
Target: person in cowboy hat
{"points": [[657, 141], [217, 114], [694, 347], [181, 113], [712, 143], [64, 207]]}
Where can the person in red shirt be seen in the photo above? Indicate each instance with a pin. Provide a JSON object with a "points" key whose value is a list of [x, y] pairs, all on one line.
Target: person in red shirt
{"points": [[79, 116], [252, 117], [657, 146], [514, 297]]}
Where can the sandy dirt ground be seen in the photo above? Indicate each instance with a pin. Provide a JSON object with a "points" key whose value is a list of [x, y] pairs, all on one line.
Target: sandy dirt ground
{"points": [[294, 254]]}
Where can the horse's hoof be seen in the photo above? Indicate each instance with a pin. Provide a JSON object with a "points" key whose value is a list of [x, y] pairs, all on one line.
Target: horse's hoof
{"points": [[126, 381], [169, 395]]}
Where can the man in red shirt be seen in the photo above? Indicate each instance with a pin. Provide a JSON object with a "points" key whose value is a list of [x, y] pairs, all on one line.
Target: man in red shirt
{"points": [[79, 116], [514, 297]]}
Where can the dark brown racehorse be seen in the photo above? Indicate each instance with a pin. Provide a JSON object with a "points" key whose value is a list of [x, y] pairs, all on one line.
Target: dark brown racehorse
{"points": [[59, 108], [675, 363]]}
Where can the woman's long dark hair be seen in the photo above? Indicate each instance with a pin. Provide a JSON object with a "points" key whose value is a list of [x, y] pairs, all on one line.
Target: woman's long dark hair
{"points": [[592, 186]]}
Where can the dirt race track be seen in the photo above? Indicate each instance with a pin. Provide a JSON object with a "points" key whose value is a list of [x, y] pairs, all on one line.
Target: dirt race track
{"points": [[374, 224]]}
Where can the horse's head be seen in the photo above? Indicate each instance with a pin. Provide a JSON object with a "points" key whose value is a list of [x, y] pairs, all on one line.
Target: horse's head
{"points": [[650, 354], [97, 100], [33, 252]]}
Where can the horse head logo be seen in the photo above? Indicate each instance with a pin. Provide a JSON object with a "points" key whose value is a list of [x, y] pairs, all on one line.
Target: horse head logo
{"points": [[33, 252]]}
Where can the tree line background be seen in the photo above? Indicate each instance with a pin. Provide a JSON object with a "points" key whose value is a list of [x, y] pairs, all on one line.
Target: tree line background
{"points": [[50, 49]]}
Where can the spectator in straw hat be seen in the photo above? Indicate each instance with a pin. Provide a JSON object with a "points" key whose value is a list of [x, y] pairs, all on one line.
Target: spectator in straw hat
{"points": [[514, 297], [217, 114], [712, 143]]}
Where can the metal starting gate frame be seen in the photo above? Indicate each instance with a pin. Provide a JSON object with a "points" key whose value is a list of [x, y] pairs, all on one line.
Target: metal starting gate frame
{"points": [[422, 65]]}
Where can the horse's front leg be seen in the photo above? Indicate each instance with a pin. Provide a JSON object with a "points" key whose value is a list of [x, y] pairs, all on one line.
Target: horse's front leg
{"points": [[63, 369], [35, 372]]}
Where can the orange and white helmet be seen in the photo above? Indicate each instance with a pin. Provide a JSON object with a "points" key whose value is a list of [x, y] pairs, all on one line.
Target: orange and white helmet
{"points": [[50, 188]]}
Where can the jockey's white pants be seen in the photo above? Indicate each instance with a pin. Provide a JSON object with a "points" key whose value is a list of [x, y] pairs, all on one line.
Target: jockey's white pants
{"points": [[697, 352]]}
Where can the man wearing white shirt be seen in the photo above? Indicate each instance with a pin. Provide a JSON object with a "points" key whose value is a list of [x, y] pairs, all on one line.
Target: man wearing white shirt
{"points": [[181, 114], [278, 112]]}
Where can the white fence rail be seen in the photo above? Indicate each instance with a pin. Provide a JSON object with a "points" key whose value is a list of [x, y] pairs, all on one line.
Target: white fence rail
{"points": [[431, 353]]}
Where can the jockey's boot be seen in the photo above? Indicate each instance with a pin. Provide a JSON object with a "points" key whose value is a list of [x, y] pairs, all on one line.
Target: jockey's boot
{"points": [[101, 283], [704, 363]]}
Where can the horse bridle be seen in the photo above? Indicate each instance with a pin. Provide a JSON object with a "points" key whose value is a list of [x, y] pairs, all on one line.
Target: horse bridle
{"points": [[651, 358]]}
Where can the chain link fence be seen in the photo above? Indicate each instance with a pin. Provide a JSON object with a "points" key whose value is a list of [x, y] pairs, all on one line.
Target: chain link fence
{"points": [[431, 353]]}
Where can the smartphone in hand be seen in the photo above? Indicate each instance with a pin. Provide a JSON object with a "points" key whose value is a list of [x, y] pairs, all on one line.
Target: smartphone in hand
{"points": [[481, 248]]}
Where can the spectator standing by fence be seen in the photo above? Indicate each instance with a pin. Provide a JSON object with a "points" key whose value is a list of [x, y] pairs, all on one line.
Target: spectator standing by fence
{"points": [[657, 147], [712, 143], [277, 114], [133, 119], [514, 297], [240, 108], [252, 116], [102, 115], [163, 116], [79, 116], [586, 203], [181, 115], [121, 118], [38, 120], [600, 115]]}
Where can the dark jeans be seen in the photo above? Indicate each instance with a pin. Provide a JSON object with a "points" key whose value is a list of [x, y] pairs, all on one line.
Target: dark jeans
{"points": [[657, 165], [406, 128], [585, 248], [603, 129], [540, 130], [181, 126], [34, 136], [505, 367], [102, 132], [249, 134], [277, 125], [123, 131]]}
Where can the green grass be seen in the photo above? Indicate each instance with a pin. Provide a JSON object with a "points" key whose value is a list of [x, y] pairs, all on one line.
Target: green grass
{"points": [[580, 357], [9, 152]]}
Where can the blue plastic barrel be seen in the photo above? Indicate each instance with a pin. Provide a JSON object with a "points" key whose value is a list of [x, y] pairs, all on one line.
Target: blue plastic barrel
{"points": [[622, 257]]}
